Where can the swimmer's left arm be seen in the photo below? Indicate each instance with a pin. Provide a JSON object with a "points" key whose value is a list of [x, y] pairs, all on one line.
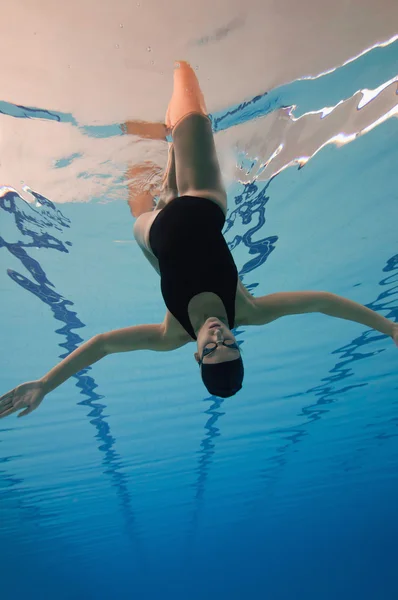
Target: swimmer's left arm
{"points": [[273, 306], [343, 308]]}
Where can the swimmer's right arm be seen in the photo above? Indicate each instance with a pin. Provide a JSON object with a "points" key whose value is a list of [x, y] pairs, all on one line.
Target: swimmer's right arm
{"points": [[29, 395]]}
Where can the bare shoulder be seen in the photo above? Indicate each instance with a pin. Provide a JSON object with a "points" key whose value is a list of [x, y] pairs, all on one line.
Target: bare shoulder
{"points": [[244, 305], [174, 332]]}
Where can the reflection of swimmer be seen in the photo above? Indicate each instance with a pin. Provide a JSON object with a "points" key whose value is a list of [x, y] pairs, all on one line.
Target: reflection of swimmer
{"points": [[182, 239]]}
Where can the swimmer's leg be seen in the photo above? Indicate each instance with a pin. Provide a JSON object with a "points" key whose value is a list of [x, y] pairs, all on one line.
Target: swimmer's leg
{"points": [[187, 96], [196, 163], [141, 190], [169, 189], [145, 129]]}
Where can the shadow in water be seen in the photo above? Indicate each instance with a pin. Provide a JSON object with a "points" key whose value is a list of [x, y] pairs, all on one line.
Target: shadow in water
{"points": [[31, 228]]}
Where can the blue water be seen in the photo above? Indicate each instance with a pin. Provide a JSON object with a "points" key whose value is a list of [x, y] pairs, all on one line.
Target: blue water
{"points": [[129, 480]]}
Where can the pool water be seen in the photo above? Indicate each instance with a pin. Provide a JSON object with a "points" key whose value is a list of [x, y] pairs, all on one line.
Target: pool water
{"points": [[129, 480]]}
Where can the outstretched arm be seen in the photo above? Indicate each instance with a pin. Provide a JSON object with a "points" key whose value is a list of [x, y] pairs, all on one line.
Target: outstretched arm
{"points": [[139, 337], [273, 306], [337, 306]]}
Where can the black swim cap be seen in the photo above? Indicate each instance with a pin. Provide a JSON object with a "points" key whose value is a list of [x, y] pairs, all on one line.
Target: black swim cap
{"points": [[223, 379]]}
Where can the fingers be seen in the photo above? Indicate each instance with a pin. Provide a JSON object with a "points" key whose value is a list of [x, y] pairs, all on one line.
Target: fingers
{"points": [[15, 408], [6, 398], [7, 412], [8, 404], [25, 412], [25, 397]]}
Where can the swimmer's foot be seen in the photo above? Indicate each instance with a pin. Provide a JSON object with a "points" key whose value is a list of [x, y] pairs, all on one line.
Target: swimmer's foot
{"points": [[187, 96], [182, 64]]}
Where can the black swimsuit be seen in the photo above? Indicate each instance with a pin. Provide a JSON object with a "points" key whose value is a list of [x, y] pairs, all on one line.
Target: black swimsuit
{"points": [[186, 238]]}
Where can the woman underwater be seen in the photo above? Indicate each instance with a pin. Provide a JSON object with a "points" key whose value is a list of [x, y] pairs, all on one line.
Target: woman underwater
{"points": [[182, 239]]}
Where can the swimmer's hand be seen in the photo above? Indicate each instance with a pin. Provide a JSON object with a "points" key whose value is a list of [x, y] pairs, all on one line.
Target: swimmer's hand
{"points": [[27, 395]]}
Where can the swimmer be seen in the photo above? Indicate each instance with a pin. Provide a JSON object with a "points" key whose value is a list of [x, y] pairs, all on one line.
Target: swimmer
{"points": [[182, 239]]}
